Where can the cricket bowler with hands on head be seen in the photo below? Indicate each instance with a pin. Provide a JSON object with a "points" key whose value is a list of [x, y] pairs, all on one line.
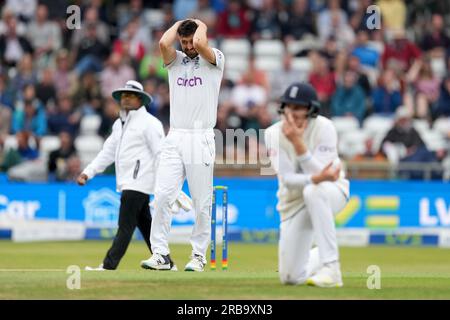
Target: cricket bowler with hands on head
{"points": [[195, 74], [312, 189]]}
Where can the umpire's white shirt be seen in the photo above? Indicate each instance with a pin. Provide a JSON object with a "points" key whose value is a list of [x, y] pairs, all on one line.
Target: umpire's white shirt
{"points": [[133, 145], [293, 171], [194, 90]]}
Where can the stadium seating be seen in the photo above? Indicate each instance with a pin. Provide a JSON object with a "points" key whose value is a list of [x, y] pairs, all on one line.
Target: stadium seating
{"points": [[352, 142], [47, 145], [89, 124], [235, 47], [88, 147], [273, 48]]}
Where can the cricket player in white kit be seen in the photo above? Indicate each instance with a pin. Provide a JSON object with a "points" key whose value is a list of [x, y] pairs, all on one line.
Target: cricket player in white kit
{"points": [[312, 189], [195, 74]]}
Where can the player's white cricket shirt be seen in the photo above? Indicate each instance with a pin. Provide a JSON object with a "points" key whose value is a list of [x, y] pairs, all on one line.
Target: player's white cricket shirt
{"points": [[194, 91], [294, 171]]}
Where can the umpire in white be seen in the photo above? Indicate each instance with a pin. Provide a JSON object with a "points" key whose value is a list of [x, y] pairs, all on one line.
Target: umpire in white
{"points": [[312, 189], [133, 145]]}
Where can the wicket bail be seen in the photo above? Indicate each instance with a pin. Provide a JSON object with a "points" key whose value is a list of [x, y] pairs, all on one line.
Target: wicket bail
{"points": [[224, 190]]}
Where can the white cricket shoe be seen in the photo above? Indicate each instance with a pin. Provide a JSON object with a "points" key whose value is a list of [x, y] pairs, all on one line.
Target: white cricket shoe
{"points": [[197, 263], [313, 262], [157, 262], [329, 276], [99, 268]]}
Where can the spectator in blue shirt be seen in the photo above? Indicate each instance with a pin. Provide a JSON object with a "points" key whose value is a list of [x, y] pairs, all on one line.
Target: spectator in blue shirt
{"points": [[387, 97], [349, 98], [29, 114]]}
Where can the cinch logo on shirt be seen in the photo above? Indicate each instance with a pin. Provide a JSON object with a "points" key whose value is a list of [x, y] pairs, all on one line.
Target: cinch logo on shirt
{"points": [[189, 82]]}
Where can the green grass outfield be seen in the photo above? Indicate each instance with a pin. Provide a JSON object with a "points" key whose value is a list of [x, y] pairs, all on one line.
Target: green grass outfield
{"points": [[38, 271]]}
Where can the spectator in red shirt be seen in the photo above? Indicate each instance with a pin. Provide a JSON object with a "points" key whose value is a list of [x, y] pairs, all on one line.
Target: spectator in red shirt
{"points": [[233, 22], [400, 53], [323, 80]]}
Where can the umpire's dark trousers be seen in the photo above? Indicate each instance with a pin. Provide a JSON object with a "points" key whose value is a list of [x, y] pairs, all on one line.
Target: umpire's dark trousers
{"points": [[134, 211]]}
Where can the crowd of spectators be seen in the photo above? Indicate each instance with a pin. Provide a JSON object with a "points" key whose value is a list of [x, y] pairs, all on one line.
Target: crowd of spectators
{"points": [[52, 77]]}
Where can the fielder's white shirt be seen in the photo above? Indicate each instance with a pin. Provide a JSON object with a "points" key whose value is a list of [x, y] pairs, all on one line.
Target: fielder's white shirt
{"points": [[194, 90], [293, 171]]}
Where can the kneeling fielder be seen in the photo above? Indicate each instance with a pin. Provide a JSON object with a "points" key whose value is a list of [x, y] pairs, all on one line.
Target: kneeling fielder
{"points": [[312, 189]]}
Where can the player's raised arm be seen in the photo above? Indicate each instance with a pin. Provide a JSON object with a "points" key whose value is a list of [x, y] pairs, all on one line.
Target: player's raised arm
{"points": [[200, 42], [166, 42]]}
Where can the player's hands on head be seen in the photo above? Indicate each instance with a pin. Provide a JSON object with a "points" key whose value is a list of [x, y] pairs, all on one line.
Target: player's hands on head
{"points": [[82, 179]]}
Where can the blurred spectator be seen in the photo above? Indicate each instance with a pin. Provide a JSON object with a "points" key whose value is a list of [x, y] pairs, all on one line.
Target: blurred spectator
{"points": [[132, 10], [354, 65], [225, 106], [330, 51], [367, 55], [24, 9], [133, 41], [442, 108], [206, 13], [233, 21], [152, 65], [399, 52], [13, 46], [88, 96], [436, 40], [323, 80], [249, 102], [57, 9], [64, 118], [6, 96], [360, 17], [163, 106], [29, 114], [151, 87], [91, 21], [393, 13], [404, 144], [325, 19], [369, 152], [62, 77], [7, 15], [24, 152], [182, 9], [300, 21], [59, 167], [26, 74], [426, 87], [115, 74], [266, 23], [90, 52], [260, 76], [349, 98], [402, 139], [6, 107], [280, 80], [168, 19], [341, 31], [44, 35], [110, 113], [45, 89], [387, 97]]}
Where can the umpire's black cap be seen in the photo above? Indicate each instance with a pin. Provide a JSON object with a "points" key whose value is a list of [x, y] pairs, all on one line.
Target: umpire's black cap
{"points": [[302, 94]]}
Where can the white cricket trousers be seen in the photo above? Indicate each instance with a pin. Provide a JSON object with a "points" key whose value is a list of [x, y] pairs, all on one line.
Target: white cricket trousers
{"points": [[314, 222], [184, 154]]}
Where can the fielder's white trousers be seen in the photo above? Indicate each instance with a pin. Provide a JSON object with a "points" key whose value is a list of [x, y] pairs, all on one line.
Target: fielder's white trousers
{"points": [[313, 223], [184, 154]]}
